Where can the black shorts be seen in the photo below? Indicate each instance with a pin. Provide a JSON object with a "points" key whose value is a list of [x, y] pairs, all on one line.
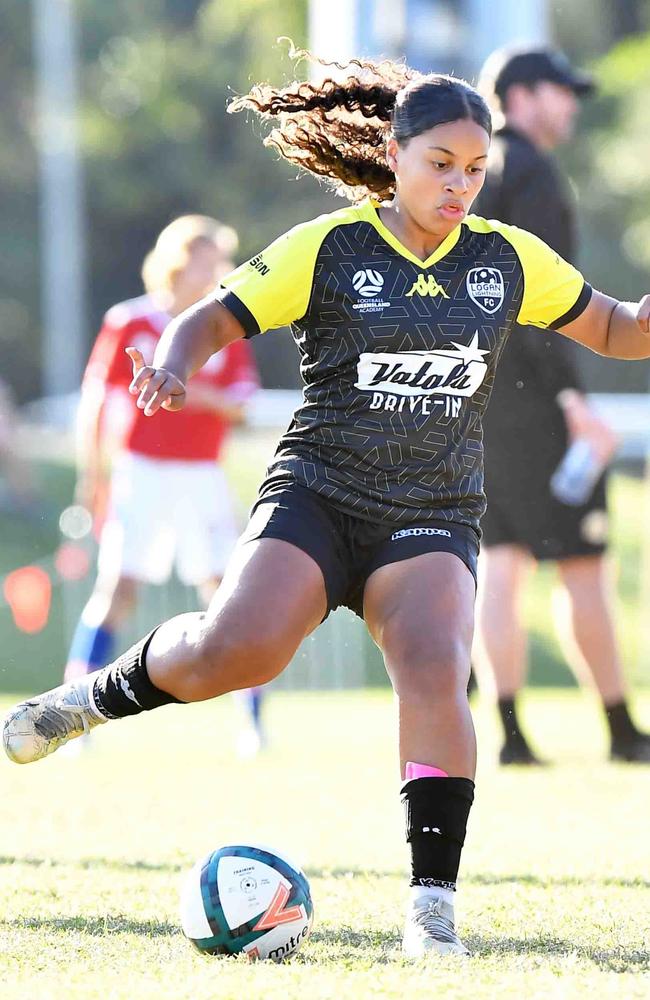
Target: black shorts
{"points": [[521, 510], [348, 549]]}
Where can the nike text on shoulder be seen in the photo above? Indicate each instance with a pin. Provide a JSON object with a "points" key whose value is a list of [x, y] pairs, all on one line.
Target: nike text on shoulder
{"points": [[258, 264]]}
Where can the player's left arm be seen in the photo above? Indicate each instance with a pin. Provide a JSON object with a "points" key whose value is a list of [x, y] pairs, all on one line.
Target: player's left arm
{"points": [[557, 297], [612, 328]]}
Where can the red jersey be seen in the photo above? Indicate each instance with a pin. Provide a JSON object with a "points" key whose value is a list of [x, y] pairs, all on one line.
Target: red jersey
{"points": [[192, 434]]}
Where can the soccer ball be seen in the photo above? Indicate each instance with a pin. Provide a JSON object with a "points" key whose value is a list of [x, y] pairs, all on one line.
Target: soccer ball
{"points": [[245, 899]]}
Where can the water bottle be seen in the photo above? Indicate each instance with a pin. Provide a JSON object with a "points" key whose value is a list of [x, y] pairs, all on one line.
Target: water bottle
{"points": [[574, 479]]}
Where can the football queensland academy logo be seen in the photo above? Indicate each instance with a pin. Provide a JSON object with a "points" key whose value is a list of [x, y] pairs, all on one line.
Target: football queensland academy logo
{"points": [[485, 288], [368, 282]]}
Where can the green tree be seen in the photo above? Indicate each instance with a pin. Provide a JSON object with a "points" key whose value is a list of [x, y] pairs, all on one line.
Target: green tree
{"points": [[155, 78], [158, 140], [19, 217], [611, 159]]}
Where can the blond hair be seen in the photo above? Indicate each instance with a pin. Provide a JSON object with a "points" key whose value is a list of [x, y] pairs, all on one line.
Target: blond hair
{"points": [[173, 247]]}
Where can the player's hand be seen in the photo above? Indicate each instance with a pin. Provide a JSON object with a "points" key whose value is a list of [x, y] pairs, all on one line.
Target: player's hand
{"points": [[154, 387], [643, 314]]}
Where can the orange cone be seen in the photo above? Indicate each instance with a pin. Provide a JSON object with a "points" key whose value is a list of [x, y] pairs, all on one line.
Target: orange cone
{"points": [[28, 593]]}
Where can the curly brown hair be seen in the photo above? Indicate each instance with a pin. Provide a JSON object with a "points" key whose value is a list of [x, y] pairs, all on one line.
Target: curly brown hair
{"points": [[337, 129]]}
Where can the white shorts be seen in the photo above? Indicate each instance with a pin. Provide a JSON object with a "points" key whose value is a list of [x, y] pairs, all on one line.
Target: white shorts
{"points": [[163, 513]]}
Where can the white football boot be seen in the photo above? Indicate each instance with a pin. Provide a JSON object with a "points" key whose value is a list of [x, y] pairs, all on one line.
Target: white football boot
{"points": [[38, 727], [429, 928]]}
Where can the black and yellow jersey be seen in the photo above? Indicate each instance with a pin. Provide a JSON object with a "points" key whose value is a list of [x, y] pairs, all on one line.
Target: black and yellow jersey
{"points": [[397, 354]]}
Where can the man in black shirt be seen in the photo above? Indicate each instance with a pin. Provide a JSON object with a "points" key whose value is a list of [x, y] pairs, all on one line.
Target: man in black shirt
{"points": [[537, 409]]}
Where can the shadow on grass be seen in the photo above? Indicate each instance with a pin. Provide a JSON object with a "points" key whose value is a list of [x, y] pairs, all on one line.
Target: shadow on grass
{"points": [[350, 943], [95, 926], [616, 959], [383, 947], [482, 878], [487, 878], [111, 864], [342, 943]]}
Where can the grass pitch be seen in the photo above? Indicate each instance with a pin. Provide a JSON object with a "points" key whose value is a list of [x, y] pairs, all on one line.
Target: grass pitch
{"points": [[554, 899]]}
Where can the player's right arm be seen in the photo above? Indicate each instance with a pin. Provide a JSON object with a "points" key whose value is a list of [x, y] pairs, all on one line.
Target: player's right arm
{"points": [[270, 290], [185, 346]]}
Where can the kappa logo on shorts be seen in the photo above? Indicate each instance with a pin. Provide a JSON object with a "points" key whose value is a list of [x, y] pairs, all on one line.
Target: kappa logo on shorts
{"points": [[416, 532], [485, 288]]}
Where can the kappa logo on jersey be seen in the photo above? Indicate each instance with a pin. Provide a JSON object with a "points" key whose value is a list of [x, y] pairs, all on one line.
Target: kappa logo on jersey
{"points": [[485, 287], [427, 285], [454, 371], [368, 283]]}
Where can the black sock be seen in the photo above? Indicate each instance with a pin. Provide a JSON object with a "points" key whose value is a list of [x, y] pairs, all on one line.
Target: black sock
{"points": [[620, 724], [510, 721], [124, 688], [436, 811]]}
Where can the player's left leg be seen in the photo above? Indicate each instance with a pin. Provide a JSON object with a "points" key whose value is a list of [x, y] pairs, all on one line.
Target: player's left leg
{"points": [[206, 536], [585, 622], [420, 612], [252, 737]]}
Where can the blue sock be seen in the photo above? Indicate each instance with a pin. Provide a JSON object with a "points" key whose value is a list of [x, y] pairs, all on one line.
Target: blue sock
{"points": [[254, 704], [91, 646]]}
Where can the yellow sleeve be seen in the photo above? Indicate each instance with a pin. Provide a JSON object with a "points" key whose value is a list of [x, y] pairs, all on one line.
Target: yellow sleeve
{"points": [[273, 288], [555, 293]]}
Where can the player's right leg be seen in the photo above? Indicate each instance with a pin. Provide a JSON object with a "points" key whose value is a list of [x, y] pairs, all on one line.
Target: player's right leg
{"points": [[272, 596]]}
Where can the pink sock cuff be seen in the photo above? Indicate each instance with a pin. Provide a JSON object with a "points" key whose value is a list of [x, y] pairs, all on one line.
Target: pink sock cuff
{"points": [[414, 770]]}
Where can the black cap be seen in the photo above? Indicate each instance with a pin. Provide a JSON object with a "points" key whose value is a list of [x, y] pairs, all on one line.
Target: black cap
{"points": [[532, 65]]}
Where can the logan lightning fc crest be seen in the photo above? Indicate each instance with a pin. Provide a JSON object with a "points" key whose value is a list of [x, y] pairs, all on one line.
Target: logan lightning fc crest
{"points": [[485, 288]]}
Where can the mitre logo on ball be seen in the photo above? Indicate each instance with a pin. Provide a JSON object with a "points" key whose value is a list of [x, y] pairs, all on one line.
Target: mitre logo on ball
{"points": [[485, 287]]}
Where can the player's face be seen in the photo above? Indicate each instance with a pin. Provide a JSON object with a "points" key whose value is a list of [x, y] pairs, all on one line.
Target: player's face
{"points": [[205, 267], [439, 173], [556, 109]]}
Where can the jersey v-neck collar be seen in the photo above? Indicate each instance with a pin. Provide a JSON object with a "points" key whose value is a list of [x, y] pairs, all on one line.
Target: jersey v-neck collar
{"points": [[370, 208]]}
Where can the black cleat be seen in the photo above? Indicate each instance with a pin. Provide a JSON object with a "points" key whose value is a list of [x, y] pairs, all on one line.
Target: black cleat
{"points": [[635, 749], [518, 752]]}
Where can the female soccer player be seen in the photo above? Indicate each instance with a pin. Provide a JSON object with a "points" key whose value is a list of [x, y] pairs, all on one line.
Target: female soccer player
{"points": [[399, 307]]}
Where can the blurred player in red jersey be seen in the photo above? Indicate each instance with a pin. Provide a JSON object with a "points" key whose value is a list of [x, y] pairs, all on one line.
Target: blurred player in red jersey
{"points": [[167, 499]]}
